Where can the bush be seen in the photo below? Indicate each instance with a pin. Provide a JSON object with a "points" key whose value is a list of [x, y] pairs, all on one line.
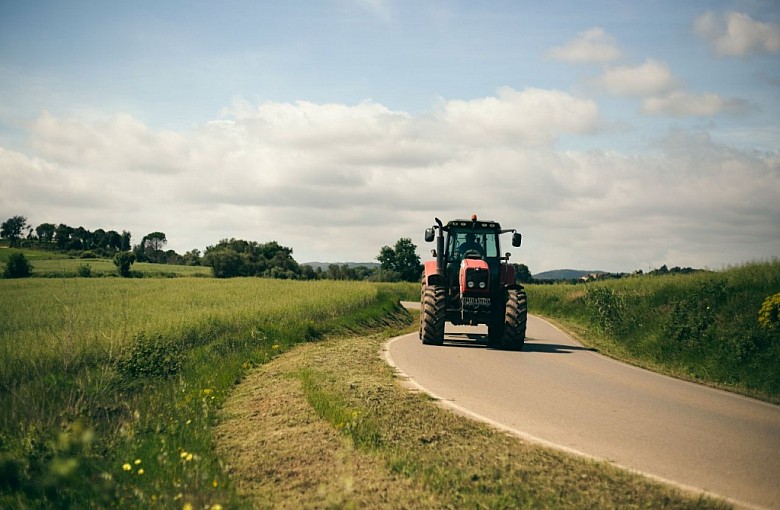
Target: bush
{"points": [[88, 255], [84, 270], [17, 266], [150, 357], [123, 260], [769, 315]]}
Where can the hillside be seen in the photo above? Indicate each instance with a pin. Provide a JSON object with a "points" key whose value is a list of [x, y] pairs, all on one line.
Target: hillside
{"points": [[563, 274], [325, 265]]}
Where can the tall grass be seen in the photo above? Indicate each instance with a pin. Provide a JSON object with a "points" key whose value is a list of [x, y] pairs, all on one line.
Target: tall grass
{"points": [[58, 265], [702, 326], [109, 387]]}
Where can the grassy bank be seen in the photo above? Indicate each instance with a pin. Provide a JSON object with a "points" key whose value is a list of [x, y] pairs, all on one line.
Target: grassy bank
{"points": [[703, 326], [327, 425], [109, 387]]}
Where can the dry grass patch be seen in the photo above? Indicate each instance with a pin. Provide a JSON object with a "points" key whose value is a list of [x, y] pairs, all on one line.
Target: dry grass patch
{"points": [[281, 454]]}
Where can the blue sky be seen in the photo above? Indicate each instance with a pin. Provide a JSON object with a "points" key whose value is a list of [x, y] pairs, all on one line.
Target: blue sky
{"points": [[614, 135]]}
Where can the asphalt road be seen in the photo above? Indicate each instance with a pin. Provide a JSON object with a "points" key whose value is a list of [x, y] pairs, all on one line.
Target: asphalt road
{"points": [[561, 394]]}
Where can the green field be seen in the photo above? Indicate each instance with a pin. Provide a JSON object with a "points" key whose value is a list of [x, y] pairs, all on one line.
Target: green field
{"points": [[109, 386], [56, 265], [702, 327]]}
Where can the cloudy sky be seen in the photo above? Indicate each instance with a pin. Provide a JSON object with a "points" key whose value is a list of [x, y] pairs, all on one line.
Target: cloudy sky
{"points": [[614, 135]]}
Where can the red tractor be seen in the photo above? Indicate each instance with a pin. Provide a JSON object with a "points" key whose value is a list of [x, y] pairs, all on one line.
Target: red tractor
{"points": [[471, 283]]}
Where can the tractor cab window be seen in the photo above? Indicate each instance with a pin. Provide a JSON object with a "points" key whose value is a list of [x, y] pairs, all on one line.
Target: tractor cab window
{"points": [[483, 243]]}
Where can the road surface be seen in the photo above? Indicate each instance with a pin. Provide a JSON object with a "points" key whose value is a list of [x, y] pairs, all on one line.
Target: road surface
{"points": [[561, 394]]}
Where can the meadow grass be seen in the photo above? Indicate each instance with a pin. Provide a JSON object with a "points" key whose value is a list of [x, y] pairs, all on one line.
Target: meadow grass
{"points": [[59, 265], [109, 386], [702, 326]]}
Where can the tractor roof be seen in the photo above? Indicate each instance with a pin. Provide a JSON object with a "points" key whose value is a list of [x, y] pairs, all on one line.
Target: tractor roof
{"points": [[472, 223]]}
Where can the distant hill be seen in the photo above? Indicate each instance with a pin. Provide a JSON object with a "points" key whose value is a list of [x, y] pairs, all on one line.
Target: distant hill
{"points": [[564, 274], [324, 265]]}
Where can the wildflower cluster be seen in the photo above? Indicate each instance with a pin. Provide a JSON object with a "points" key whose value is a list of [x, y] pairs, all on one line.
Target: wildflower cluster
{"points": [[769, 315]]}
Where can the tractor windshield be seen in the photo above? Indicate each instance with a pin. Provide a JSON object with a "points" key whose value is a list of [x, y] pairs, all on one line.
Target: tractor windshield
{"points": [[482, 242]]}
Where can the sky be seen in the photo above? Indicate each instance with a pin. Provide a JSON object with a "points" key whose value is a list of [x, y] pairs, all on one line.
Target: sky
{"points": [[614, 135]]}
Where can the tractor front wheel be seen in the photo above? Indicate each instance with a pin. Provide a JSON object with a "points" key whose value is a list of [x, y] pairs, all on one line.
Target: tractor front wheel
{"points": [[432, 315]]}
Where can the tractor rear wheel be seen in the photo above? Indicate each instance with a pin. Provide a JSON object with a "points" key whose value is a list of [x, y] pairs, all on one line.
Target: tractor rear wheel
{"points": [[432, 315], [515, 320]]}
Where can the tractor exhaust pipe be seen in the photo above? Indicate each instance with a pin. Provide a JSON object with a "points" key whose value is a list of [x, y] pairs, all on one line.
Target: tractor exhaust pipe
{"points": [[440, 248]]}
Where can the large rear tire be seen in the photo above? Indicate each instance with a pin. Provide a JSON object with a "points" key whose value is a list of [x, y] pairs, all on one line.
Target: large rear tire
{"points": [[515, 320], [432, 314]]}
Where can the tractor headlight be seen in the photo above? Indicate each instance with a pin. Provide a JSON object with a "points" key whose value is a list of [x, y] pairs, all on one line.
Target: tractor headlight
{"points": [[470, 284], [482, 285]]}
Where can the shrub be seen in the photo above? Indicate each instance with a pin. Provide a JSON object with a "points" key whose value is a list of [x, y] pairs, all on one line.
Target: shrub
{"points": [[84, 270], [17, 266], [88, 255], [769, 315], [150, 357], [123, 260]]}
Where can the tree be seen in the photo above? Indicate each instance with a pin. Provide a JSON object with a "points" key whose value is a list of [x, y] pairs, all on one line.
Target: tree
{"points": [[402, 259], [62, 236], [17, 266], [12, 228], [192, 257], [155, 241], [113, 240], [248, 258], [124, 244], [45, 232], [225, 263], [123, 260], [523, 274]]}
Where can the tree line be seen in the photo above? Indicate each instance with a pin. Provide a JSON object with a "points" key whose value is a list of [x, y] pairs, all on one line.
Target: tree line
{"points": [[228, 258]]}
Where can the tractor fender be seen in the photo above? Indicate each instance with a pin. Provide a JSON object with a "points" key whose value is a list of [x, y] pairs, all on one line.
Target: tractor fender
{"points": [[507, 275], [431, 275]]}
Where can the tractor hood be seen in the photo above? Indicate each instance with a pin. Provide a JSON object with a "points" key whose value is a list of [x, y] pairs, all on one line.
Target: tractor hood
{"points": [[474, 276]]}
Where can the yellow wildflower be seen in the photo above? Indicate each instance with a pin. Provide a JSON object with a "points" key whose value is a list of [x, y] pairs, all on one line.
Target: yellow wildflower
{"points": [[126, 466], [141, 471], [137, 461], [187, 506]]}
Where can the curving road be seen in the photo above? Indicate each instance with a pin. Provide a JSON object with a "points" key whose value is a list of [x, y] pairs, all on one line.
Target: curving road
{"points": [[559, 393]]}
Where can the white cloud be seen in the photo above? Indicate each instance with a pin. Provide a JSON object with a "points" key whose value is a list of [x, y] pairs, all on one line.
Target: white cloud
{"points": [[590, 46], [650, 78], [737, 34], [336, 182], [528, 117], [118, 144], [683, 104], [663, 94]]}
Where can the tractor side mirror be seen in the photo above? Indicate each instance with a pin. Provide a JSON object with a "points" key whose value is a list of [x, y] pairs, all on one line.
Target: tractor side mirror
{"points": [[517, 238], [429, 234]]}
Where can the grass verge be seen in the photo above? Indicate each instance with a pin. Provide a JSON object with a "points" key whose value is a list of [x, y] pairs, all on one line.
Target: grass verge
{"points": [[327, 425], [705, 327]]}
